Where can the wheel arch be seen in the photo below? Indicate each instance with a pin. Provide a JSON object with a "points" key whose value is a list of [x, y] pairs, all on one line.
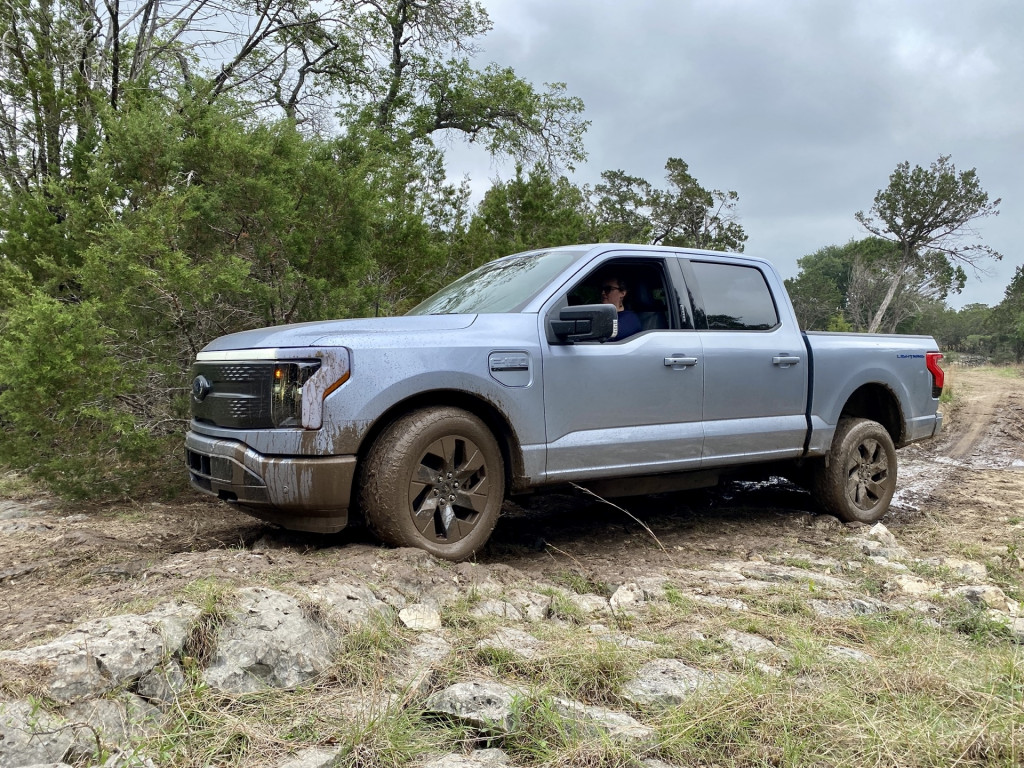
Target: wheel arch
{"points": [[879, 403], [490, 414]]}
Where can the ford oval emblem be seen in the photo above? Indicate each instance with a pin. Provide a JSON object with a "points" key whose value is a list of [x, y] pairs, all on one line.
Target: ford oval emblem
{"points": [[200, 388]]}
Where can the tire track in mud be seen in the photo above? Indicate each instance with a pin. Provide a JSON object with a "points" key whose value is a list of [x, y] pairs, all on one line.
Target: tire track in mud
{"points": [[982, 433]]}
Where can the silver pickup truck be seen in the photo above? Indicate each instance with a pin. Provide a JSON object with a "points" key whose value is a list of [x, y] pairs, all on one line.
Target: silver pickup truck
{"points": [[524, 374]]}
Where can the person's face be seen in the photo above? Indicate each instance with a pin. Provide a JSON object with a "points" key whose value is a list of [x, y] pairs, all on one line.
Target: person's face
{"points": [[611, 293]]}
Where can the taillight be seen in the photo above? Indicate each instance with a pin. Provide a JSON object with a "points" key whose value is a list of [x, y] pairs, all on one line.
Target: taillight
{"points": [[938, 375]]}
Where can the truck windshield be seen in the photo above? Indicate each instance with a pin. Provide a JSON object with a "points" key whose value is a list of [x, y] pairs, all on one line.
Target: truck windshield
{"points": [[505, 285]]}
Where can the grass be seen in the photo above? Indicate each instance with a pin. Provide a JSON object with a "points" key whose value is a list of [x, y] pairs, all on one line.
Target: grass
{"points": [[582, 584], [934, 694], [214, 600], [17, 485]]}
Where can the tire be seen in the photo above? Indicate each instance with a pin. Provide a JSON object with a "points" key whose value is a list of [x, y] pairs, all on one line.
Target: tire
{"points": [[434, 480], [857, 480]]}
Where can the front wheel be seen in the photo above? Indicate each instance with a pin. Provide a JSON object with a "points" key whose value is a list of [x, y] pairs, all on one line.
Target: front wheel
{"points": [[434, 480], [857, 481]]}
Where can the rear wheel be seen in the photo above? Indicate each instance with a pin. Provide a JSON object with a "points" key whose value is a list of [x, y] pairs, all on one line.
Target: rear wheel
{"points": [[434, 480], [857, 481]]}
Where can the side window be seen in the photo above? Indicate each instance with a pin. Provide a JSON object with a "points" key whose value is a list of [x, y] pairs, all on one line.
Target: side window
{"points": [[639, 286], [736, 298]]}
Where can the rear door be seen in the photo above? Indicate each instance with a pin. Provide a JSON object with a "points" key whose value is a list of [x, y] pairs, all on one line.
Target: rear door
{"points": [[755, 365]]}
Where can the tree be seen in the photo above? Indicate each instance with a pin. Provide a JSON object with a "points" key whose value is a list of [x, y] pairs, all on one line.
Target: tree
{"points": [[928, 214], [818, 292], [844, 286], [529, 212], [1007, 319], [622, 209], [630, 209], [688, 215]]}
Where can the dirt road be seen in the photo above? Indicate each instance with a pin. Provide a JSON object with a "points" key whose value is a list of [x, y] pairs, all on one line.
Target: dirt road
{"points": [[962, 495]]}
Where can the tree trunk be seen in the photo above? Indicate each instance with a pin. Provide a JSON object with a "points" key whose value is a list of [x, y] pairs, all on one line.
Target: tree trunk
{"points": [[897, 280]]}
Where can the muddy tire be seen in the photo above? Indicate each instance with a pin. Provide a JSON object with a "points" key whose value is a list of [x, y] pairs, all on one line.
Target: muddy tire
{"points": [[434, 480], [858, 479]]}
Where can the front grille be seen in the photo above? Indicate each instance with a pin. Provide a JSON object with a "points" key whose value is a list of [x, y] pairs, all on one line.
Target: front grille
{"points": [[238, 396]]}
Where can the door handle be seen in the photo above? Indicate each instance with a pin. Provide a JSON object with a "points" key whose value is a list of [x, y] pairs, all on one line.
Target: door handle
{"points": [[784, 361], [675, 360]]}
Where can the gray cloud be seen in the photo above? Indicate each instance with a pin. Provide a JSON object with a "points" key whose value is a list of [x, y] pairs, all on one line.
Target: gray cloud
{"points": [[803, 108]]}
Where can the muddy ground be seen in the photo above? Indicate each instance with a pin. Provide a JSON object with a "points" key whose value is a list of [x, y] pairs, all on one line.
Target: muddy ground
{"points": [[962, 495]]}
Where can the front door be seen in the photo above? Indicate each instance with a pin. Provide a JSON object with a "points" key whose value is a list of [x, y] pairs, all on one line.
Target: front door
{"points": [[627, 407]]}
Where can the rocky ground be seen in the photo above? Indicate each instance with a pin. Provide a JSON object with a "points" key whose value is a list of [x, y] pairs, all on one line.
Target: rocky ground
{"points": [[111, 614]]}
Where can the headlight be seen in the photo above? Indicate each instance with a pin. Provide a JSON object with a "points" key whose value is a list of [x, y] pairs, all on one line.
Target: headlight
{"points": [[286, 395]]}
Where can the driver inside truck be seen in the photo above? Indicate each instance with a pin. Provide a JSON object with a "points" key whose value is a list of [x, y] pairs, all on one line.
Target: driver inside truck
{"points": [[614, 291]]}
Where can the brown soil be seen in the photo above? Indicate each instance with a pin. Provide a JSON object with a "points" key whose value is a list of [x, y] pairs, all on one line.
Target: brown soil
{"points": [[962, 495]]}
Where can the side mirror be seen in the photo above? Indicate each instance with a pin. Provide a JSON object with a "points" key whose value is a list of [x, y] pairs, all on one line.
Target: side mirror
{"points": [[587, 322]]}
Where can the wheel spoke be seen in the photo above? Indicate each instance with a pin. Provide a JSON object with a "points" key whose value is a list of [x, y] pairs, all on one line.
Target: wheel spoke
{"points": [[852, 484], [473, 462], [869, 450], [474, 499], [425, 474], [877, 490], [423, 516], [449, 451], [447, 517]]}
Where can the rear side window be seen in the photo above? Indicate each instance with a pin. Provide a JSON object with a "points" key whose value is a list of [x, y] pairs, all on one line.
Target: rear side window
{"points": [[736, 298]]}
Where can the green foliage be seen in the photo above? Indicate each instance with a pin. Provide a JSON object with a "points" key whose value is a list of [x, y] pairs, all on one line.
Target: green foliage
{"points": [[1007, 319], [62, 398], [629, 209], [926, 213], [529, 212], [846, 287]]}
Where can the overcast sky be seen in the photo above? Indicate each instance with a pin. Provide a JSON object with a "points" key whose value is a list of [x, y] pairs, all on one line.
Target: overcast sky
{"points": [[803, 108]]}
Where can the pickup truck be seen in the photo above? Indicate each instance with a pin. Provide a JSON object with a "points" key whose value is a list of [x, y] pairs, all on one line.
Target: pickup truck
{"points": [[515, 377]]}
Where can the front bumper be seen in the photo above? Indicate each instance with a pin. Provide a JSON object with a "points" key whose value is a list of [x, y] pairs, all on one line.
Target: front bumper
{"points": [[298, 493]]}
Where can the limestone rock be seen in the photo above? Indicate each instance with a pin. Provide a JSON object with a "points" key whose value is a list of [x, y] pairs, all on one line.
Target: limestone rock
{"points": [[969, 570], [666, 682], [599, 721], [844, 609], [480, 758], [30, 735], [842, 653], [103, 654], [414, 667], [882, 535], [162, 684], [516, 641], [988, 596], [911, 585], [729, 603], [743, 642], [483, 705], [590, 604], [826, 523], [787, 573], [420, 617], [419, 577], [532, 606], [313, 757], [1017, 628], [349, 604], [11, 509], [626, 597], [496, 608], [115, 722], [888, 564], [268, 643]]}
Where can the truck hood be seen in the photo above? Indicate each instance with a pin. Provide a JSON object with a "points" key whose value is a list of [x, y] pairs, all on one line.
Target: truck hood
{"points": [[334, 332]]}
